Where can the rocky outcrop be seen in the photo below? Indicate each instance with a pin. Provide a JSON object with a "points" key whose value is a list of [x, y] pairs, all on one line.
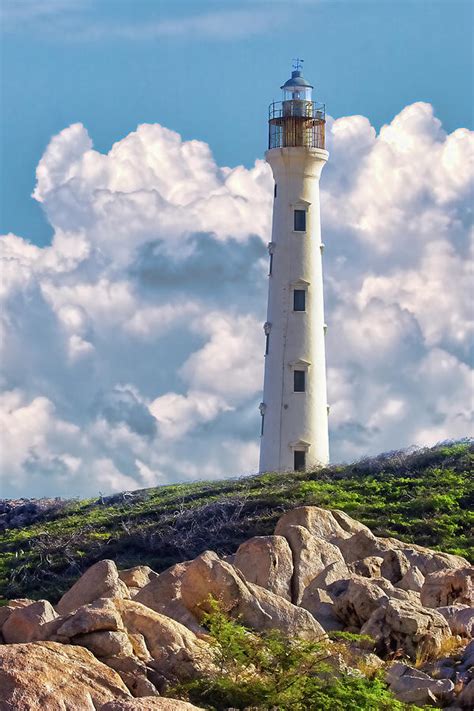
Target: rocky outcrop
{"points": [[100, 580], [208, 576], [56, 677], [321, 572], [267, 561]]}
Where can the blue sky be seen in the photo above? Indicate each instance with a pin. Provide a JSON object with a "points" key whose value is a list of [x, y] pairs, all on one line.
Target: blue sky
{"points": [[209, 69], [136, 208]]}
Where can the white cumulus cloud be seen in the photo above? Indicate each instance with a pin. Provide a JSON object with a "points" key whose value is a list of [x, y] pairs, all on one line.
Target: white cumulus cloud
{"points": [[132, 346]]}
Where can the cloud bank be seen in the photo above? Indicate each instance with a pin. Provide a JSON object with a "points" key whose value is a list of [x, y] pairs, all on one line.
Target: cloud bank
{"points": [[132, 346]]}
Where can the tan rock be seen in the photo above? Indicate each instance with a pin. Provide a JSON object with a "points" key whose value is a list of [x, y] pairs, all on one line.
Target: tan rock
{"points": [[177, 653], [99, 615], [311, 555], [137, 577], [31, 623], [368, 567], [163, 595], [394, 566], [140, 650], [362, 545], [208, 576], [57, 677], [100, 580], [6, 610], [446, 587], [354, 605], [412, 580], [106, 643], [330, 574], [133, 673], [266, 561], [150, 704], [426, 559], [402, 625], [321, 605], [319, 522], [460, 619]]}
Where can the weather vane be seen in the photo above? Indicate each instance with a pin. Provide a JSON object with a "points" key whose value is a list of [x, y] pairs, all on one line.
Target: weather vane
{"points": [[298, 64]]}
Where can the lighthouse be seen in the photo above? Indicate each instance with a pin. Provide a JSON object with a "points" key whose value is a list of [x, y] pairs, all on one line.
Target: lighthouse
{"points": [[294, 411]]}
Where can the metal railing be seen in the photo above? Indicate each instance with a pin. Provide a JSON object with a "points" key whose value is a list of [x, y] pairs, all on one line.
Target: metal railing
{"points": [[296, 123]]}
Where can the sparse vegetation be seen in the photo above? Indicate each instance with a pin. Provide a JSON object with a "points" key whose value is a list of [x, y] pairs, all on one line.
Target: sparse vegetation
{"points": [[273, 672], [426, 496]]}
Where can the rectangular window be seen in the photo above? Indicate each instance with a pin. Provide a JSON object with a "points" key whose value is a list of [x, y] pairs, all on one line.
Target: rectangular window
{"points": [[300, 221], [275, 190], [299, 460], [271, 265], [261, 428], [267, 343], [299, 381], [299, 300]]}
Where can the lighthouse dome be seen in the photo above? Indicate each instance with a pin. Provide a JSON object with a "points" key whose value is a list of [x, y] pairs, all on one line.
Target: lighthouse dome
{"points": [[297, 80]]}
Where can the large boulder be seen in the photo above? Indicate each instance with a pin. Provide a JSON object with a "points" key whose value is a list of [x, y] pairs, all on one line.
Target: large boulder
{"points": [[31, 623], [208, 576], [356, 599], [98, 616], [6, 610], [399, 624], [177, 654], [163, 594], [57, 677], [311, 555], [330, 525], [266, 561], [446, 587], [100, 580], [150, 704]]}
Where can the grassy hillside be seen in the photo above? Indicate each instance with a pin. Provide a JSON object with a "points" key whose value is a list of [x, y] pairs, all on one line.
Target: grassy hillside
{"points": [[425, 497]]}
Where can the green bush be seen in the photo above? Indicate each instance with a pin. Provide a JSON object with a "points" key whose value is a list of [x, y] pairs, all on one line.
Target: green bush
{"points": [[272, 672]]}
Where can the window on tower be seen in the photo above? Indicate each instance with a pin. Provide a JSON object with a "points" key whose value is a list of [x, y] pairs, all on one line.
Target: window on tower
{"points": [[299, 460], [299, 300], [299, 381], [267, 343], [300, 220], [270, 266], [275, 190]]}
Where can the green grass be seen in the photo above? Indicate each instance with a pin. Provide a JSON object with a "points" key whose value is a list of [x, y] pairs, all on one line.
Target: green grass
{"points": [[425, 497]]}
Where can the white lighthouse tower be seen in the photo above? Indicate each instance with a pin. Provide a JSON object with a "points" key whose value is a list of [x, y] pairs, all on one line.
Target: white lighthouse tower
{"points": [[294, 431]]}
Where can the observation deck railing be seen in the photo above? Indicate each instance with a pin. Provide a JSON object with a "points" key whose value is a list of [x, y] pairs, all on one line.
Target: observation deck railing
{"points": [[296, 123]]}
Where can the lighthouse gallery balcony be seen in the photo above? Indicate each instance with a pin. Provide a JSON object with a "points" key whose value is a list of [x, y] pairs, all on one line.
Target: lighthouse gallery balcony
{"points": [[296, 123]]}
